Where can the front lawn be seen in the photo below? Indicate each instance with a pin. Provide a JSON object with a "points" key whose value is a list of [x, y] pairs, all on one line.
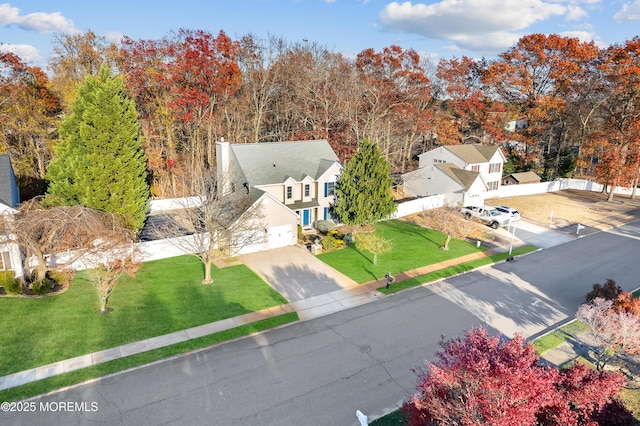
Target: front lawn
{"points": [[413, 247], [165, 296]]}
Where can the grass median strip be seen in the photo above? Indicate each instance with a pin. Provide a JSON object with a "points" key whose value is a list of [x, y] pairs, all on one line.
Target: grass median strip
{"points": [[453, 270], [67, 379]]}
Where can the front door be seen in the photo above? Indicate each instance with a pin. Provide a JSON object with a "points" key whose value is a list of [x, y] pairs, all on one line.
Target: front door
{"points": [[305, 217]]}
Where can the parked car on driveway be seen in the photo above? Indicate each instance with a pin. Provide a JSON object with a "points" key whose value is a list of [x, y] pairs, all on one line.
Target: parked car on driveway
{"points": [[487, 214], [513, 213]]}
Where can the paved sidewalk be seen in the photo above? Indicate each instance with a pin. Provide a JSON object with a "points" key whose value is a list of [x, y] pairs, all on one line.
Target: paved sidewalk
{"points": [[569, 350]]}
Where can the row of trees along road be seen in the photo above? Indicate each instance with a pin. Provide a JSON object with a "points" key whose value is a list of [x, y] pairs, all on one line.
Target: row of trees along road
{"points": [[580, 103]]}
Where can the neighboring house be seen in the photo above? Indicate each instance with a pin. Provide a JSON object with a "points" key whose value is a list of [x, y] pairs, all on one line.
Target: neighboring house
{"points": [[520, 178], [514, 125], [459, 187], [9, 193], [294, 182], [10, 258], [486, 161]]}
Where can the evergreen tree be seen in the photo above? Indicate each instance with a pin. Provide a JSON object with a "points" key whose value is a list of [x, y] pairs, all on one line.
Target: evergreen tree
{"points": [[363, 191], [99, 162]]}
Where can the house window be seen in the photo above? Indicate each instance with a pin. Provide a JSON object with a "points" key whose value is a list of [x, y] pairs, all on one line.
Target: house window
{"points": [[307, 190], [493, 186], [329, 189], [5, 261], [475, 168], [494, 168], [289, 192]]}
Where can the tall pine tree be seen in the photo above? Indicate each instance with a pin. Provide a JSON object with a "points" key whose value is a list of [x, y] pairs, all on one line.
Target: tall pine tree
{"points": [[363, 191], [100, 163]]}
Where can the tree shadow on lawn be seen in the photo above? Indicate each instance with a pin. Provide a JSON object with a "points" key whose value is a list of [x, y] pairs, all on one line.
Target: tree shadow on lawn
{"points": [[408, 228]]}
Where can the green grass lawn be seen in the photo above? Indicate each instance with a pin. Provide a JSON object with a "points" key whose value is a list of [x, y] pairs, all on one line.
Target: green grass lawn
{"points": [[413, 247], [165, 296]]}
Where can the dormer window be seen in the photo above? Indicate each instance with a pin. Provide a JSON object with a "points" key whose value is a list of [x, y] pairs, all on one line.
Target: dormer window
{"points": [[289, 192], [307, 190]]}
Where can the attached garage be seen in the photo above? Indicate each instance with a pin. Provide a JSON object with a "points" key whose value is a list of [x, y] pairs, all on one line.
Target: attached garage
{"points": [[280, 236]]}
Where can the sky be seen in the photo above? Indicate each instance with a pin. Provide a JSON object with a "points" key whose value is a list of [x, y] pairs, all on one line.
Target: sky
{"points": [[436, 28]]}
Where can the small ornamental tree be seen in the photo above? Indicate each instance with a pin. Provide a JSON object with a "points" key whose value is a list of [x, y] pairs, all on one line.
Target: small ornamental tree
{"points": [[484, 380], [614, 332], [100, 163], [373, 243], [449, 221], [363, 191]]}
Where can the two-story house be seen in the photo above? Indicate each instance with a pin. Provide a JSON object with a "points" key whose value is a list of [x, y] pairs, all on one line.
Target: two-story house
{"points": [[297, 179], [466, 174]]}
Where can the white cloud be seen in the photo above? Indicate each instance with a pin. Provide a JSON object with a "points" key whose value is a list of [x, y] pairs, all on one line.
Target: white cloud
{"points": [[584, 36], [575, 13], [113, 36], [39, 21], [629, 12], [482, 25], [27, 53]]}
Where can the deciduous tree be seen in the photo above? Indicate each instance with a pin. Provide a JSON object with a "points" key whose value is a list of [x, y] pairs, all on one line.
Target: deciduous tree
{"points": [[373, 243], [614, 332], [100, 163], [212, 223], [480, 380], [450, 222], [42, 233], [29, 113], [363, 191]]}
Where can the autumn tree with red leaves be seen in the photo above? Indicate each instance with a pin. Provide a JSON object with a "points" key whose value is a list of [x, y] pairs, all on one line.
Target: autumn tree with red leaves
{"points": [[480, 380], [29, 116], [179, 85]]}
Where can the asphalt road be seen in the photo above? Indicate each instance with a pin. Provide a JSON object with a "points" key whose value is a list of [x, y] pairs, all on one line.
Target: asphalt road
{"points": [[321, 371]]}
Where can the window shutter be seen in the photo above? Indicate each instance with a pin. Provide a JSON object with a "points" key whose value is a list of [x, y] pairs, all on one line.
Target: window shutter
{"points": [[326, 189]]}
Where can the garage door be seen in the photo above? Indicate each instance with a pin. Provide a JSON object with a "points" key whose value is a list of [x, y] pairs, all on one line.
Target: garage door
{"points": [[280, 236]]}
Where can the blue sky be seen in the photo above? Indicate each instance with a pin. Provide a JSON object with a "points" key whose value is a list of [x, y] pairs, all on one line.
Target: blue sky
{"points": [[439, 28]]}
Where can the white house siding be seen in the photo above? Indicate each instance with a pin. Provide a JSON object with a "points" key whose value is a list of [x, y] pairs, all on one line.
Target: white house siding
{"points": [[475, 196], [280, 217], [439, 155]]}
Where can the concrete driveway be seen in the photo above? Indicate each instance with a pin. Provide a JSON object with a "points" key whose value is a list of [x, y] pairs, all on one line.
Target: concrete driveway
{"points": [[295, 273]]}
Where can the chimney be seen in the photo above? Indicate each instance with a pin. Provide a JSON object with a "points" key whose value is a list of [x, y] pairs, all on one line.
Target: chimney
{"points": [[222, 166]]}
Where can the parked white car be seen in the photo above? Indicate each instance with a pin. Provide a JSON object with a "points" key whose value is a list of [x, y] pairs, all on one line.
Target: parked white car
{"points": [[513, 213], [488, 215]]}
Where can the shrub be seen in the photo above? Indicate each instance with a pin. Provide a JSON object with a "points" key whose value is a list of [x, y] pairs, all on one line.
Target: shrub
{"points": [[60, 277], [348, 238], [325, 226], [11, 285], [41, 287], [329, 242]]}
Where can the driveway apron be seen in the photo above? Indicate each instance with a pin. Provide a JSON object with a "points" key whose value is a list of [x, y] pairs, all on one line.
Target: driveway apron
{"points": [[295, 273]]}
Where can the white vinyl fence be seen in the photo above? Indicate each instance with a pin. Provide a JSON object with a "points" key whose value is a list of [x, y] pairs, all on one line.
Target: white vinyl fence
{"points": [[406, 208]]}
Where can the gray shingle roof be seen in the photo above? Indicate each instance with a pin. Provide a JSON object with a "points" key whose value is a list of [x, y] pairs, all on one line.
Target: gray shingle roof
{"points": [[464, 177], [525, 177], [267, 163], [9, 193], [473, 153]]}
